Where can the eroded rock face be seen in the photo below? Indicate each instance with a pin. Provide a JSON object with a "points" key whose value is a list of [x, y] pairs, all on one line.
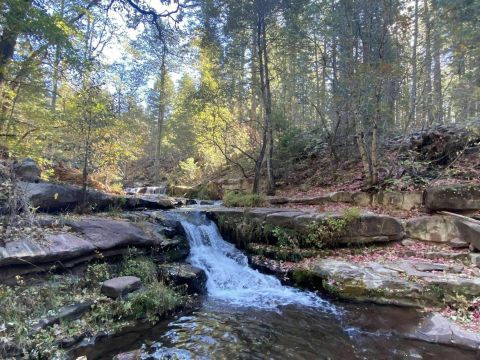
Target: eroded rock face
{"points": [[53, 248], [453, 197], [106, 233], [242, 227], [194, 278], [439, 330], [120, 286], [398, 199], [436, 228], [470, 233], [389, 283]]}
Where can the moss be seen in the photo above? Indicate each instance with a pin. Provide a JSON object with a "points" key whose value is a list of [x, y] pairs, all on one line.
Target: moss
{"points": [[307, 279], [238, 199]]}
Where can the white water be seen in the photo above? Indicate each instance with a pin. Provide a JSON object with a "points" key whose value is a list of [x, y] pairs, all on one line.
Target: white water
{"points": [[230, 279]]}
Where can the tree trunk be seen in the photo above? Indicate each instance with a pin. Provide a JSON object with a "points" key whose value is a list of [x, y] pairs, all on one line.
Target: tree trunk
{"points": [[161, 116], [428, 67], [413, 92], [268, 115], [56, 65], [437, 70]]}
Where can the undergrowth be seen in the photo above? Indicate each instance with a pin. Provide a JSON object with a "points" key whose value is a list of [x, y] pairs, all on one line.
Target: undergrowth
{"points": [[22, 305], [238, 199]]}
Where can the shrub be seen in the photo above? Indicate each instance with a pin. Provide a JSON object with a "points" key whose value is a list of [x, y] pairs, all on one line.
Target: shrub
{"points": [[97, 273], [237, 199], [287, 237], [139, 266], [156, 300]]}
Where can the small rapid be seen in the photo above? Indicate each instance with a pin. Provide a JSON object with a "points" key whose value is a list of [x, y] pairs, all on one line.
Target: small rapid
{"points": [[231, 279]]}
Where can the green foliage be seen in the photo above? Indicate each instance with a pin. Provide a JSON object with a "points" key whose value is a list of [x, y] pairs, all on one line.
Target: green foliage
{"points": [[156, 300], [324, 232], [139, 266], [237, 199], [97, 273], [287, 237]]}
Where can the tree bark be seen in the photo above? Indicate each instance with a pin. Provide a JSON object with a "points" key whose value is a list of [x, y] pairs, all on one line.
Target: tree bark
{"points": [[161, 115]]}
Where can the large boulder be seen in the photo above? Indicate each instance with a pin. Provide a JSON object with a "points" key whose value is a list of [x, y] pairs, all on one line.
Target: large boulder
{"points": [[246, 226], [190, 276], [405, 282], [437, 329], [107, 234], [55, 247], [28, 170], [470, 232], [150, 202], [49, 197], [436, 228], [453, 197]]}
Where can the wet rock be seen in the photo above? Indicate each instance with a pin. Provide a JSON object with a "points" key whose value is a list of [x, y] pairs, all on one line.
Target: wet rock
{"points": [[120, 286], [28, 170], [131, 355], [392, 283], [55, 247], [194, 278], [436, 228], [438, 329], [150, 202], [453, 197], [470, 233], [70, 312], [206, 202]]}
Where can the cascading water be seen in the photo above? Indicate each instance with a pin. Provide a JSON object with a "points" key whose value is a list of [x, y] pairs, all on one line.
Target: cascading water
{"points": [[230, 278]]}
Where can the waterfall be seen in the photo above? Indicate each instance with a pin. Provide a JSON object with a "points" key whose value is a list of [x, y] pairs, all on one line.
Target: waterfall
{"points": [[230, 278]]}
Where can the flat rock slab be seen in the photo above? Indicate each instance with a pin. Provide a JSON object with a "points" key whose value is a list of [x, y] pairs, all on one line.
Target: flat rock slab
{"points": [[55, 247], [389, 283], [453, 197], [236, 225], [120, 286], [69, 312], [439, 330], [106, 233]]}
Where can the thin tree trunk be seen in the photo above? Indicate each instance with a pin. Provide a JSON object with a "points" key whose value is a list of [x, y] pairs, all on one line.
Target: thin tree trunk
{"points": [[437, 70], [161, 116], [268, 116], [56, 65], [413, 93], [428, 67], [261, 156]]}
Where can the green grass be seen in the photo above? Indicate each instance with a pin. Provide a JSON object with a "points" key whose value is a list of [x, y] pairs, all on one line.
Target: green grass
{"points": [[237, 199]]}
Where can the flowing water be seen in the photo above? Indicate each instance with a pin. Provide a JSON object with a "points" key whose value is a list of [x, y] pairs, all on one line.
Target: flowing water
{"points": [[249, 315]]}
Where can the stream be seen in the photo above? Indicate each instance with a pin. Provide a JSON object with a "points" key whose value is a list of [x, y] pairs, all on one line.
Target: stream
{"points": [[249, 315]]}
